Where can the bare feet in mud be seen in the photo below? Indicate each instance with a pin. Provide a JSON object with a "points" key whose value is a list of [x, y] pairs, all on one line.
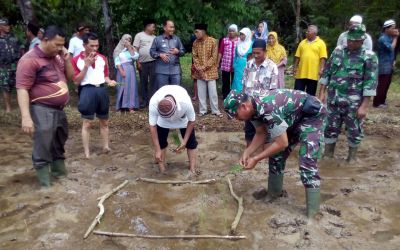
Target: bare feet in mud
{"points": [[106, 150]]}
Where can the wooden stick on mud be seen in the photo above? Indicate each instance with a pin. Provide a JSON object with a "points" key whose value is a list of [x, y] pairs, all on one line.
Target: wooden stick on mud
{"points": [[101, 208], [176, 182], [206, 236], [240, 207]]}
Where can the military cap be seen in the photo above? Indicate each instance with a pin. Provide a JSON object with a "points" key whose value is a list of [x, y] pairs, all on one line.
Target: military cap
{"points": [[356, 32]]}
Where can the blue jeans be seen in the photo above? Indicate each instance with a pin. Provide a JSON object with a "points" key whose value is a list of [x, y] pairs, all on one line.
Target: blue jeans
{"points": [[164, 79]]}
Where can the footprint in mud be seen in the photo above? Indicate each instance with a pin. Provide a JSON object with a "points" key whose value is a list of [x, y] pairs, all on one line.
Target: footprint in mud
{"points": [[369, 213], [346, 191], [139, 226], [286, 224], [337, 229], [331, 210], [110, 244]]}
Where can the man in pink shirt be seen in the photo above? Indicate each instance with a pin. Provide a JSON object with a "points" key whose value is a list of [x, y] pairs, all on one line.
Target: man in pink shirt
{"points": [[226, 53], [91, 74], [42, 93]]}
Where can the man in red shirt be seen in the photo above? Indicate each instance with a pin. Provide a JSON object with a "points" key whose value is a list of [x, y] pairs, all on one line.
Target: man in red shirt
{"points": [[91, 74], [42, 93]]}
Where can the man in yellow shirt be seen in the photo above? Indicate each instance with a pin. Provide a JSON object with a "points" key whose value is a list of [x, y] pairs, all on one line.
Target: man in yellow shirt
{"points": [[309, 61]]}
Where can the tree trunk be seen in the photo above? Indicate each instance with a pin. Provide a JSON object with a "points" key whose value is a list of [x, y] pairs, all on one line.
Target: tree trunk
{"points": [[109, 36], [298, 35], [27, 11]]}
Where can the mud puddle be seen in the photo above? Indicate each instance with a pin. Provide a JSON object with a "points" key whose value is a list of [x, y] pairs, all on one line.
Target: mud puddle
{"points": [[360, 202]]}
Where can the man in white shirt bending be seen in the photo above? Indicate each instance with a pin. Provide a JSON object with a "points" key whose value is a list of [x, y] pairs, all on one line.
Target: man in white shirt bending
{"points": [[171, 108]]}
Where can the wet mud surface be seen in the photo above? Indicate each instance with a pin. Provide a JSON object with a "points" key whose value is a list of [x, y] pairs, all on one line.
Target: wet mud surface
{"points": [[360, 202]]}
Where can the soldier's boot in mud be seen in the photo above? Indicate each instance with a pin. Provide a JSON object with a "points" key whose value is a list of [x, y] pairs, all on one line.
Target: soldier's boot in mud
{"points": [[329, 150], [275, 184], [312, 201], [352, 154], [43, 176], [58, 168]]}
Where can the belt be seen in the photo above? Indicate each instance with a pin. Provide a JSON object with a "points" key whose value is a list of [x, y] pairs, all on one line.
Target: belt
{"points": [[94, 85], [48, 106]]}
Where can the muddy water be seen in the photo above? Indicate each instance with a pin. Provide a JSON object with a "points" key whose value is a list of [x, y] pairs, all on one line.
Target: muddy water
{"points": [[361, 202]]}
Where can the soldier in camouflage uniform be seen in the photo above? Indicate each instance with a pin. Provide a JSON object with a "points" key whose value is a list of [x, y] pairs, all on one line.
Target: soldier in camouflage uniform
{"points": [[9, 55], [286, 117], [350, 76]]}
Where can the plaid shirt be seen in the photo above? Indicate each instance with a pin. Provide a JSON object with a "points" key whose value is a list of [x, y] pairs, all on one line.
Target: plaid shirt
{"points": [[227, 50], [205, 58], [258, 80]]}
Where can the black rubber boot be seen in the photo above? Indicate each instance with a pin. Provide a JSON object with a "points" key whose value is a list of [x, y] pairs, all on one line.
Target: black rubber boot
{"points": [[352, 154], [312, 201], [58, 168], [329, 150], [43, 176]]}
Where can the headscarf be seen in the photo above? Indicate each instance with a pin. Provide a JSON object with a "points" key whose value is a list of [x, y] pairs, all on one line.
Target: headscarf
{"points": [[120, 47], [264, 34], [276, 52], [233, 27], [244, 46]]}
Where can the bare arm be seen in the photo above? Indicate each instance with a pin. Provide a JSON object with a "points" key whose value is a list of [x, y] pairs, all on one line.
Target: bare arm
{"points": [[280, 143], [26, 119], [296, 65], [321, 66], [258, 141]]}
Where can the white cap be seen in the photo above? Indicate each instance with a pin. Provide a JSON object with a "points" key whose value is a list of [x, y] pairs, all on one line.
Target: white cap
{"points": [[356, 19], [233, 27], [389, 23]]}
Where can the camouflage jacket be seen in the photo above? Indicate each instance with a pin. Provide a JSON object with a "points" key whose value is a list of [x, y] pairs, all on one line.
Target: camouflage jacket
{"points": [[349, 76], [9, 50], [280, 110]]}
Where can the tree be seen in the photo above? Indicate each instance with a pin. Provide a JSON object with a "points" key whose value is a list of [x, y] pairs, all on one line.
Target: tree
{"points": [[27, 11], [108, 35]]}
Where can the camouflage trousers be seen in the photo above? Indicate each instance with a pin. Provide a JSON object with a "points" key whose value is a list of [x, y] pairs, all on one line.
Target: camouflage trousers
{"points": [[344, 112], [310, 134], [7, 77]]}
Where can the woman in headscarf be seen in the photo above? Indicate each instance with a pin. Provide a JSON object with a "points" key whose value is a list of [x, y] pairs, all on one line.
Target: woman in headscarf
{"points": [[262, 31], [277, 54], [127, 90], [242, 52]]}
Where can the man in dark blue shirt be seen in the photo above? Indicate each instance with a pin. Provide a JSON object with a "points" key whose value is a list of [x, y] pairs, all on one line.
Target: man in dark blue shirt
{"points": [[166, 49], [386, 50]]}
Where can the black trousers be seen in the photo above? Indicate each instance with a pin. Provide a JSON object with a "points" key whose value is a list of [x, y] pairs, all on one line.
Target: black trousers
{"points": [[51, 133], [227, 78], [147, 81], [307, 85], [382, 89]]}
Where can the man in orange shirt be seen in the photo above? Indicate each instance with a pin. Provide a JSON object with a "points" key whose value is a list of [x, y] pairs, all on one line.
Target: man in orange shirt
{"points": [[309, 61]]}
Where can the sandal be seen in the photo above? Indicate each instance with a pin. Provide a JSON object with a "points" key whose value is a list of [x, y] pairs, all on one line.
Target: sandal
{"points": [[202, 114], [220, 115]]}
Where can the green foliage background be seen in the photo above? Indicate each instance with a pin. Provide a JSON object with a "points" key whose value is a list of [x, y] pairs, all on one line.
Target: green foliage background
{"points": [[330, 15]]}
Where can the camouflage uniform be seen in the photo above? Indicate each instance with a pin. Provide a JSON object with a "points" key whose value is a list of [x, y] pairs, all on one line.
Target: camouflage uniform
{"points": [[349, 76], [302, 117], [9, 55]]}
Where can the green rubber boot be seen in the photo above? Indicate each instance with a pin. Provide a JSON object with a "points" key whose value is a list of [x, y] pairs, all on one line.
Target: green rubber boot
{"points": [[58, 168], [43, 176], [329, 150], [275, 184], [312, 201], [352, 154]]}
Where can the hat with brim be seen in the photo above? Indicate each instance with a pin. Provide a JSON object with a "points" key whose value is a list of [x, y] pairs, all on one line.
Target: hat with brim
{"points": [[356, 32], [232, 102]]}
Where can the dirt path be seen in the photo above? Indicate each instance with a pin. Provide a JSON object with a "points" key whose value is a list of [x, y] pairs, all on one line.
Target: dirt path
{"points": [[360, 202]]}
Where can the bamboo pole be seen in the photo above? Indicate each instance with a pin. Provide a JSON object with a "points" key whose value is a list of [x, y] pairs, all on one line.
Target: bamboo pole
{"points": [[206, 236], [176, 182], [240, 207], [101, 208]]}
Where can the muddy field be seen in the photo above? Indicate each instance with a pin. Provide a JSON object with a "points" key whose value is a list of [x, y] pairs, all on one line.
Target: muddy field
{"points": [[360, 202]]}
